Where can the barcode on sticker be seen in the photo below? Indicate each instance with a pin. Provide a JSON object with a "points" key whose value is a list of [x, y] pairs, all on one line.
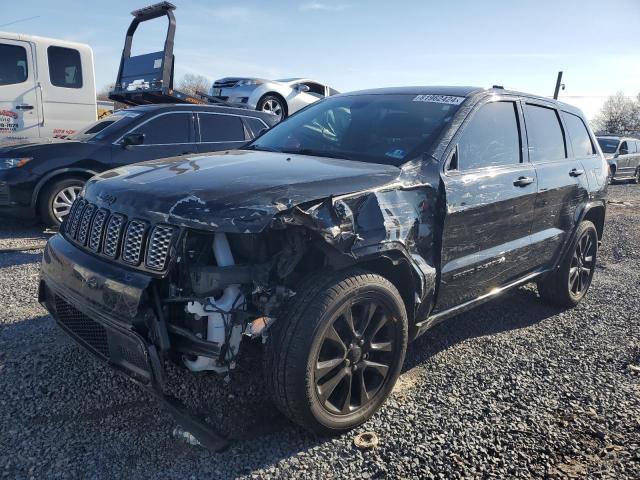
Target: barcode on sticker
{"points": [[448, 99]]}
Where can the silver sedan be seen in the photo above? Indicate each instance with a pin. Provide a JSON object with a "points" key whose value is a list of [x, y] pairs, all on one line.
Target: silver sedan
{"points": [[279, 97]]}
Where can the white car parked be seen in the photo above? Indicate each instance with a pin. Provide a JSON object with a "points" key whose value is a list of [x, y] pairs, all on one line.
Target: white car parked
{"points": [[280, 97]]}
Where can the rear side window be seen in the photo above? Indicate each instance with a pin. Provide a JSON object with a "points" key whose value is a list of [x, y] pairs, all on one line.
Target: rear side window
{"points": [[491, 138], [65, 67], [167, 129], [579, 135], [13, 64], [220, 128], [254, 125], [546, 139], [632, 147]]}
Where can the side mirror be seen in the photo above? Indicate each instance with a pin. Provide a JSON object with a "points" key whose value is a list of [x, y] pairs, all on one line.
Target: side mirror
{"points": [[132, 139], [301, 87]]}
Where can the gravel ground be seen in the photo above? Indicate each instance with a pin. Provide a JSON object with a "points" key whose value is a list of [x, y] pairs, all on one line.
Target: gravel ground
{"points": [[512, 389]]}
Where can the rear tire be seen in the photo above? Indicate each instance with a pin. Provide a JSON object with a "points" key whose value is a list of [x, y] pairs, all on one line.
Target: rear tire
{"points": [[325, 373], [54, 202], [636, 179], [568, 284]]}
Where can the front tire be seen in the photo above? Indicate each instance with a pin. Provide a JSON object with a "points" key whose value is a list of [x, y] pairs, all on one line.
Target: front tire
{"points": [[55, 200], [273, 104], [334, 355], [567, 285]]}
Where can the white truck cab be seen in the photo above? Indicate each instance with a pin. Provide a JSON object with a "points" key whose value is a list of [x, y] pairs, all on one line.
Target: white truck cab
{"points": [[47, 87]]}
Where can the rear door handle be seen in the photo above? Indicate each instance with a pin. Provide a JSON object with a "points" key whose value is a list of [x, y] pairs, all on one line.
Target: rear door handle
{"points": [[24, 107], [576, 172], [524, 181]]}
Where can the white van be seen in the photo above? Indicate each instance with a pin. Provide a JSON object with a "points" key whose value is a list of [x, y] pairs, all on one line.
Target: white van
{"points": [[47, 87]]}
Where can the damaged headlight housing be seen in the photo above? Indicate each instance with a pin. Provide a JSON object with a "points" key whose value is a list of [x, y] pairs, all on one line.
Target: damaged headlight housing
{"points": [[6, 163]]}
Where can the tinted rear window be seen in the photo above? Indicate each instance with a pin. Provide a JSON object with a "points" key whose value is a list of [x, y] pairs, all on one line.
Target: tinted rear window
{"points": [[491, 138], [579, 135], [220, 128], [546, 140], [13, 64]]}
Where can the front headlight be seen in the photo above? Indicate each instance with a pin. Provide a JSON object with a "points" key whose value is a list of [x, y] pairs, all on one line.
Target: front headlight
{"points": [[248, 81], [6, 163]]}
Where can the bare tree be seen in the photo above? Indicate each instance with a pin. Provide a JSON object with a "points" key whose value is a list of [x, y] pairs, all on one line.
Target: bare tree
{"points": [[103, 94], [191, 84], [620, 115]]}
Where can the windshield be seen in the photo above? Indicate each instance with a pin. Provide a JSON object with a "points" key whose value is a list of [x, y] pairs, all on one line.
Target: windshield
{"points": [[609, 145], [381, 128], [105, 126]]}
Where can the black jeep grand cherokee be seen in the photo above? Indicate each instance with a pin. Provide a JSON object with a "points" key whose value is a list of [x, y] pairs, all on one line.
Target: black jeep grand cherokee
{"points": [[335, 238]]}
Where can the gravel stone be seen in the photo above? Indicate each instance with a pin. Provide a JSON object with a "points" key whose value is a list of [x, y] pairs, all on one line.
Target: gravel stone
{"points": [[514, 388]]}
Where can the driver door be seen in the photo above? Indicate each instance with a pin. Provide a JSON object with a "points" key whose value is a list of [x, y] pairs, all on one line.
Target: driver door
{"points": [[490, 189]]}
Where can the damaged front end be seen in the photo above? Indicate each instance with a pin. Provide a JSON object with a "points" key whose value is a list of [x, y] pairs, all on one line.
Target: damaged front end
{"points": [[188, 281]]}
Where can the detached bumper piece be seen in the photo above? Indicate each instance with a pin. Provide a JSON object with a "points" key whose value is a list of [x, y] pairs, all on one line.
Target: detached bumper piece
{"points": [[129, 354]]}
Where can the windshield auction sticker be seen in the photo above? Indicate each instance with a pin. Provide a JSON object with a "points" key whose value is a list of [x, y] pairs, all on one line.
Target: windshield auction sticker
{"points": [[448, 99]]}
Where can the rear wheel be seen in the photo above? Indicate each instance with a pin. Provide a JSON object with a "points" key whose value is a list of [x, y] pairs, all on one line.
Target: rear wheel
{"points": [[274, 105], [636, 178], [334, 356], [567, 285], [55, 200]]}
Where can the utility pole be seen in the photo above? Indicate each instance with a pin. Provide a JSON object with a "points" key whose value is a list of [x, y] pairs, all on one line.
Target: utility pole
{"points": [[558, 85]]}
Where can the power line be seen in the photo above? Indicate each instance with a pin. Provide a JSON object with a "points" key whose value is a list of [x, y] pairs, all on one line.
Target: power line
{"points": [[20, 20]]}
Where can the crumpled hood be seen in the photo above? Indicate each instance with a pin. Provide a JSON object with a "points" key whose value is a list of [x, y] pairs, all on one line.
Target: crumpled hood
{"points": [[236, 191]]}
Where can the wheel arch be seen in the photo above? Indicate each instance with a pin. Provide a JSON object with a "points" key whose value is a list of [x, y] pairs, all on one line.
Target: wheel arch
{"points": [[596, 213], [56, 175]]}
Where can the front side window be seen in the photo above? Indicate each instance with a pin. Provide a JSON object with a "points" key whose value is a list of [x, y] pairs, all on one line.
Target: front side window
{"points": [[491, 138], [65, 67], [609, 145], [220, 128], [166, 129], [579, 135], [546, 138], [384, 128], [13, 64], [624, 148]]}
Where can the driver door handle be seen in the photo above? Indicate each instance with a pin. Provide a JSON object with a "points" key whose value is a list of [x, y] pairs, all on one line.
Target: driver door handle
{"points": [[576, 172], [524, 181], [24, 107]]}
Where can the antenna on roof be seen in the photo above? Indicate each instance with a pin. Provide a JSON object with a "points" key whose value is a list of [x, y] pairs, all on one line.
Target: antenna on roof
{"points": [[558, 85]]}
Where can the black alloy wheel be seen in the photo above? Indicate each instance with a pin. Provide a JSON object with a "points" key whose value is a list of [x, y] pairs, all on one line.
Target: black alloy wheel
{"points": [[355, 357], [583, 264]]}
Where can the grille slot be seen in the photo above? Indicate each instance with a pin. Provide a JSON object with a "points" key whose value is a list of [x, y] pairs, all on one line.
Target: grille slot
{"points": [[77, 214], [159, 245], [112, 237], [133, 242], [85, 223], [97, 228], [89, 331]]}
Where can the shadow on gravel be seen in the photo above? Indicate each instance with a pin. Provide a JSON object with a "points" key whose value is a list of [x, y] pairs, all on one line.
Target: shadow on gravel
{"points": [[13, 259], [519, 309]]}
